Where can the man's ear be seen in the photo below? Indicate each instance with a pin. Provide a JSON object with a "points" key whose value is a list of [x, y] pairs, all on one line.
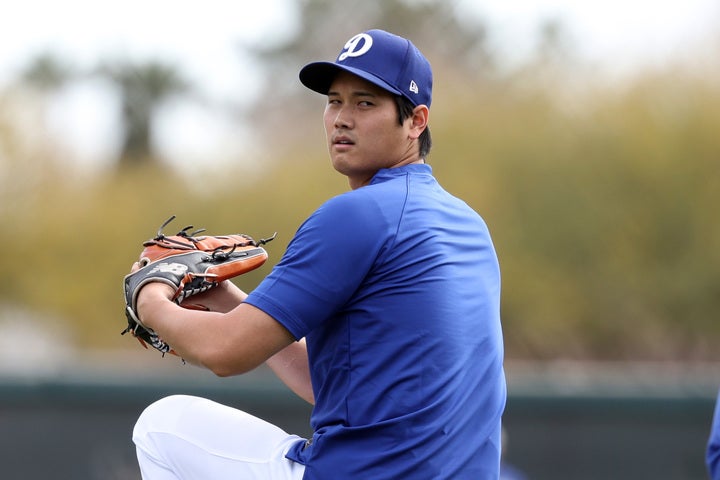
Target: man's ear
{"points": [[419, 119]]}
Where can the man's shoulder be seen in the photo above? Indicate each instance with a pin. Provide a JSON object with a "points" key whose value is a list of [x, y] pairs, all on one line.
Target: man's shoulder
{"points": [[348, 207], [363, 197]]}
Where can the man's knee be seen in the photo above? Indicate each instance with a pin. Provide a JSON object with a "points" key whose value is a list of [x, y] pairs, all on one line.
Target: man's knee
{"points": [[161, 414]]}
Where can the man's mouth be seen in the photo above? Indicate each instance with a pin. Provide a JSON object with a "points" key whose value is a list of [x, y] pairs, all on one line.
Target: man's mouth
{"points": [[342, 141]]}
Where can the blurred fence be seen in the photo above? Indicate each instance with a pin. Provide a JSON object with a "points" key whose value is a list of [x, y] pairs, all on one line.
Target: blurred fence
{"points": [[78, 425]]}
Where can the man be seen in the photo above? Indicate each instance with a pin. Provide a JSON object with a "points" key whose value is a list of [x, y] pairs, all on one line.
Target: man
{"points": [[383, 311], [712, 449]]}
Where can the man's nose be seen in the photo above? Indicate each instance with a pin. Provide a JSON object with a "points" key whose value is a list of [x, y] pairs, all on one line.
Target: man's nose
{"points": [[343, 119]]}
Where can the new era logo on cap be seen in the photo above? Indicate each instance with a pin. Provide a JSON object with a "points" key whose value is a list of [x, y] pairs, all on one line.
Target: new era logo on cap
{"points": [[384, 59]]}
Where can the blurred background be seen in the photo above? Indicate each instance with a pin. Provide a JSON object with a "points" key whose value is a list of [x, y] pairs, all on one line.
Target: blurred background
{"points": [[585, 133]]}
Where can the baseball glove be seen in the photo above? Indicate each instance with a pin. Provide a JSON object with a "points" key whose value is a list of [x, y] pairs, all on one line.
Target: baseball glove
{"points": [[190, 264]]}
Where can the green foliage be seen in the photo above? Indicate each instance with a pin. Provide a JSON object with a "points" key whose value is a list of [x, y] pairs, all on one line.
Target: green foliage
{"points": [[603, 217], [71, 250]]}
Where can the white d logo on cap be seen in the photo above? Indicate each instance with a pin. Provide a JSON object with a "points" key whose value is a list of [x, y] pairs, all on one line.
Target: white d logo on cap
{"points": [[361, 40]]}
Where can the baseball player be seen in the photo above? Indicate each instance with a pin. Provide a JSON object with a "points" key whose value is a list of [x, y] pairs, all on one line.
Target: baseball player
{"points": [[383, 312], [712, 451]]}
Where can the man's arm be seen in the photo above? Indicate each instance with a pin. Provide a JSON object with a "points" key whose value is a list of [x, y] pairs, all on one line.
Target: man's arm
{"points": [[204, 338], [229, 343], [290, 364], [292, 367]]}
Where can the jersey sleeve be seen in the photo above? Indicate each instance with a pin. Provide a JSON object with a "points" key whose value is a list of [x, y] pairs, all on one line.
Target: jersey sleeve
{"points": [[324, 263]]}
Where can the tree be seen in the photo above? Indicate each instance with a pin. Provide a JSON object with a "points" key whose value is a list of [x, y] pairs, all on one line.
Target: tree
{"points": [[47, 72], [143, 87]]}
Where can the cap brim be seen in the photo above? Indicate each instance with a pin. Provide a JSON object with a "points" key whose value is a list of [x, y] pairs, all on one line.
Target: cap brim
{"points": [[319, 76]]}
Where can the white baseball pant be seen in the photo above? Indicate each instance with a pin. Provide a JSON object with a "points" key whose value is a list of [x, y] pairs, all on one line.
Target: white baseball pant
{"points": [[185, 437]]}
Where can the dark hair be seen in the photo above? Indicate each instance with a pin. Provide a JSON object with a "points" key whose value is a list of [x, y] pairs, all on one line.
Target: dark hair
{"points": [[405, 111]]}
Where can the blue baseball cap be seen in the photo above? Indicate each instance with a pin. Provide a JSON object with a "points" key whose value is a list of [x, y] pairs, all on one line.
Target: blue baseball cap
{"points": [[384, 59]]}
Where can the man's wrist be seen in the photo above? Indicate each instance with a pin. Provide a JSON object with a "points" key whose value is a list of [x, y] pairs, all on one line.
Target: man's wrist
{"points": [[148, 298]]}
